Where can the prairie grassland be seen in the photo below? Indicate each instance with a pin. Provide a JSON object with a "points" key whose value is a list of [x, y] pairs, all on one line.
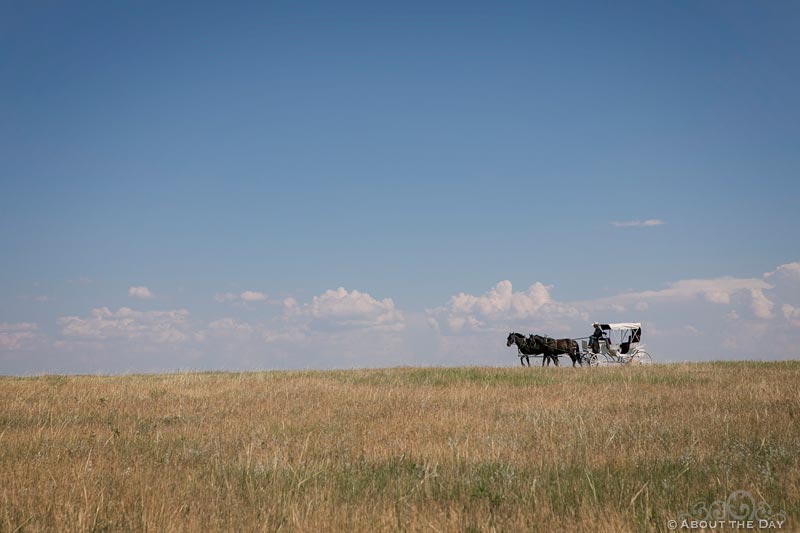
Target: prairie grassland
{"points": [[434, 449]]}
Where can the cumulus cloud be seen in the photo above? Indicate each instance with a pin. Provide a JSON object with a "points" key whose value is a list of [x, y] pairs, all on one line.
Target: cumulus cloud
{"points": [[498, 308], [789, 271], [290, 335], [337, 328], [502, 300], [715, 290], [353, 309], [689, 319], [639, 223], [229, 327], [17, 336], [143, 293], [253, 296], [290, 304], [128, 324], [681, 309], [232, 331], [335, 319], [243, 297], [747, 320], [760, 304], [792, 314]]}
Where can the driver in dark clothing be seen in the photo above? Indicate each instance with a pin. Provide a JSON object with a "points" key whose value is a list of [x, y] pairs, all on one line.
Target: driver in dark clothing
{"points": [[596, 337]]}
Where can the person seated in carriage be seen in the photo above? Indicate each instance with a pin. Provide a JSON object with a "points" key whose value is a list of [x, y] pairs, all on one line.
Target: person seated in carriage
{"points": [[596, 337]]}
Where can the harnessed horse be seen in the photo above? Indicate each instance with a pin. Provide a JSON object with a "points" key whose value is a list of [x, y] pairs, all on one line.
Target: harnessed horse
{"points": [[556, 347], [525, 349]]}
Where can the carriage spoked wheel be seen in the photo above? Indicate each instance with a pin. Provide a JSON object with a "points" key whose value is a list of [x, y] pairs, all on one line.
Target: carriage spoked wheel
{"points": [[642, 358], [597, 359]]}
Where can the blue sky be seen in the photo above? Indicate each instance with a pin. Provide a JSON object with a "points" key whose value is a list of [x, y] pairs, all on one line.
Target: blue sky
{"points": [[408, 152]]}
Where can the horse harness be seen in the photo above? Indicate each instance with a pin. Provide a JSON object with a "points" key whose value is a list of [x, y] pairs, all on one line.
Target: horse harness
{"points": [[553, 345]]}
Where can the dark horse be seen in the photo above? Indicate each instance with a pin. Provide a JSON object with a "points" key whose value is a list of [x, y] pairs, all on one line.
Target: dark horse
{"points": [[527, 347], [556, 347]]}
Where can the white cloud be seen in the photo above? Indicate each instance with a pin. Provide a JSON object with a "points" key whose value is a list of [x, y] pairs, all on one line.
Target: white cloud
{"points": [[253, 296], [290, 304], [352, 309], [721, 291], [501, 300], [335, 320], [689, 319], [337, 328], [230, 324], [230, 328], [789, 270], [792, 314], [639, 223], [17, 336], [691, 330], [244, 297], [682, 309], [237, 331], [292, 335], [142, 293], [716, 290], [760, 304], [499, 307], [128, 324]]}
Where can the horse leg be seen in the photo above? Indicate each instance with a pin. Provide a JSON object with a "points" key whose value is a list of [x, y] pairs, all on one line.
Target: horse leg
{"points": [[528, 359]]}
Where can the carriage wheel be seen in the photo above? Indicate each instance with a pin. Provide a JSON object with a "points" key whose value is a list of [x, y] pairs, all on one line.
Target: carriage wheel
{"points": [[642, 358], [597, 359]]}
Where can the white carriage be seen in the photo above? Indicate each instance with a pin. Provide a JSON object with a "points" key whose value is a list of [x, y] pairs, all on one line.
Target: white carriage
{"points": [[620, 345]]}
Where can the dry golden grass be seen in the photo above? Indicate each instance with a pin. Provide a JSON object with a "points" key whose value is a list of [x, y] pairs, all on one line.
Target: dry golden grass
{"points": [[458, 449]]}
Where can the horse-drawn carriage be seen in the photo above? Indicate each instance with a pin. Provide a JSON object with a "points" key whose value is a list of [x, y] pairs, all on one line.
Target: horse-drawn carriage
{"points": [[620, 343]]}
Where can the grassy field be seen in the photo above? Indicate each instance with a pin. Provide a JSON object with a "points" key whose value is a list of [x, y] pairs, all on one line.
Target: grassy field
{"points": [[433, 449]]}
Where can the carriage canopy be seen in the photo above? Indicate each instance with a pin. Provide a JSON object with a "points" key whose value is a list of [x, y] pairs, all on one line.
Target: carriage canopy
{"points": [[627, 332], [622, 325]]}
